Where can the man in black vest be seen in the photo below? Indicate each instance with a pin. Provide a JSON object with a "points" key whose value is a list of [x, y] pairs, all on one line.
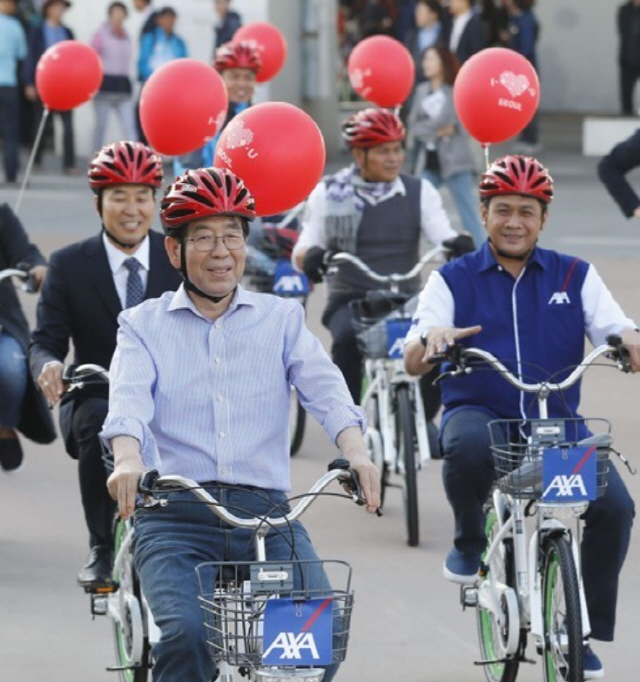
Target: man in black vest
{"points": [[87, 286], [371, 210]]}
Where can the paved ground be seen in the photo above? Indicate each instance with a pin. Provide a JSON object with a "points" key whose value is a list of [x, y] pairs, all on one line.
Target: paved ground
{"points": [[407, 624]]}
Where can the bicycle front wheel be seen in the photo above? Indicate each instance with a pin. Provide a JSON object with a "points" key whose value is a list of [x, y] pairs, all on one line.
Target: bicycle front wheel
{"points": [[405, 445], [562, 619], [297, 421], [497, 638], [131, 642]]}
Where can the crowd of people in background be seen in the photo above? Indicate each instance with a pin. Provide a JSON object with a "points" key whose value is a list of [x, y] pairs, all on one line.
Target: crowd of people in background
{"points": [[28, 28]]}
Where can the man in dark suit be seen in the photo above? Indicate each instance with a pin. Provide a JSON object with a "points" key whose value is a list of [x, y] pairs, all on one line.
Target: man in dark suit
{"points": [[466, 33], [87, 286]]}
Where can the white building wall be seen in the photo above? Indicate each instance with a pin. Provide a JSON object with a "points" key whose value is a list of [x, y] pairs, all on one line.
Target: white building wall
{"points": [[578, 53]]}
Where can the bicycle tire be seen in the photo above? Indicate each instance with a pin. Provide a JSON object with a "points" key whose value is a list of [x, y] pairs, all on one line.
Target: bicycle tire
{"points": [[491, 635], [123, 639], [297, 422], [561, 614], [405, 444]]}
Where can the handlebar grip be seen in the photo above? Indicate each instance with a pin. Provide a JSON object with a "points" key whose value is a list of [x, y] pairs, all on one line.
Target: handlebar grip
{"points": [[350, 479], [147, 483]]}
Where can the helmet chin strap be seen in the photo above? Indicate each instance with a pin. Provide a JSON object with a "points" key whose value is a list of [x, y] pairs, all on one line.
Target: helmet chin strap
{"points": [[190, 286], [124, 245], [510, 256]]}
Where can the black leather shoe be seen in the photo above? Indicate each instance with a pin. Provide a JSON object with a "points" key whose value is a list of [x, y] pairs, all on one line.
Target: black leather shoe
{"points": [[10, 454], [97, 570]]}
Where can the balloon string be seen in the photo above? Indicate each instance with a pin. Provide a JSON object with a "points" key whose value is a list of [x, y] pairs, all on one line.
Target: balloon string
{"points": [[485, 149], [32, 156]]}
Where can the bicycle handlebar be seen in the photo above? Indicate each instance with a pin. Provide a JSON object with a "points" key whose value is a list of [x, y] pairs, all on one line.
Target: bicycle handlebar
{"points": [[457, 355], [334, 259], [151, 482], [21, 273], [78, 376]]}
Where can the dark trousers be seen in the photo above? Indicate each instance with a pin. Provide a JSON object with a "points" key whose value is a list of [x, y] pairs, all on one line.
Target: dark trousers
{"points": [[468, 475], [628, 77], [9, 129], [347, 356], [68, 143], [99, 508]]}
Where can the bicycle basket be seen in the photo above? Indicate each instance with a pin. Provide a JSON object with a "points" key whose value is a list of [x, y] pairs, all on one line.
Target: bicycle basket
{"points": [[546, 460], [381, 325], [235, 606]]}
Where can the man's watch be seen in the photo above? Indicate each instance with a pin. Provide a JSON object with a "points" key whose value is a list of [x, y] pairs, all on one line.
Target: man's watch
{"points": [[423, 339]]}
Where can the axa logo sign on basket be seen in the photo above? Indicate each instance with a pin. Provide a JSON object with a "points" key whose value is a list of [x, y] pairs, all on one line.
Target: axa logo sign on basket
{"points": [[569, 474], [515, 85], [298, 632]]}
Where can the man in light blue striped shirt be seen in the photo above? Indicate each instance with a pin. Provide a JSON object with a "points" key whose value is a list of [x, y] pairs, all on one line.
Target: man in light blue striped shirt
{"points": [[200, 385]]}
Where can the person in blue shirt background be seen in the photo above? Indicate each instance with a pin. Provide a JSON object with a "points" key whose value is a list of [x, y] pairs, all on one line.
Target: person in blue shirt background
{"points": [[200, 387], [531, 308], [161, 45]]}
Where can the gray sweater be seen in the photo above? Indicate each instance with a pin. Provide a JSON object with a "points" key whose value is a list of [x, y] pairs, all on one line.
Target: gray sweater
{"points": [[453, 150]]}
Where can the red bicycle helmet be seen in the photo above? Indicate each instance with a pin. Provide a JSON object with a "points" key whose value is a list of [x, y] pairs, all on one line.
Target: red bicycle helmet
{"points": [[125, 163], [514, 174], [203, 193], [371, 127], [240, 55]]}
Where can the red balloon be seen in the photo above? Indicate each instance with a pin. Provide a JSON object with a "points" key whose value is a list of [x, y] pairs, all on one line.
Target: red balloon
{"points": [[381, 70], [68, 74], [269, 42], [183, 104], [496, 93], [278, 150]]}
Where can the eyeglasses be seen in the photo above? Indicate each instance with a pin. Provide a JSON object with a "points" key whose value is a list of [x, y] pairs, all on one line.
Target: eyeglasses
{"points": [[208, 242]]}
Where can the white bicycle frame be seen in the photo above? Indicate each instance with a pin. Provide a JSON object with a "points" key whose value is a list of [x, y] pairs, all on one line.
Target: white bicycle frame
{"points": [[141, 623], [384, 374], [524, 603]]}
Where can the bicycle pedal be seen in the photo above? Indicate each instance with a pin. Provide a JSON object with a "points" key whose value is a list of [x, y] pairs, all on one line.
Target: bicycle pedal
{"points": [[102, 588]]}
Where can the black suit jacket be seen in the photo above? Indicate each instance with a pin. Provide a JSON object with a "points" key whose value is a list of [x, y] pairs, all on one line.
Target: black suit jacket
{"points": [[613, 167], [473, 39], [79, 303]]}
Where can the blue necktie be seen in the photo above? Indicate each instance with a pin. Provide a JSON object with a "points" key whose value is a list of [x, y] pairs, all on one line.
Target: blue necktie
{"points": [[135, 292]]}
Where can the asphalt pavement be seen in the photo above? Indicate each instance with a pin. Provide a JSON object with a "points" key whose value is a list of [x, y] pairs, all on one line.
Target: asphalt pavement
{"points": [[407, 622]]}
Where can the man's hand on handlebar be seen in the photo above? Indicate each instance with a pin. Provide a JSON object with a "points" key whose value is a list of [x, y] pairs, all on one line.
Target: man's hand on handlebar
{"points": [[314, 263], [124, 481], [458, 246], [51, 383], [440, 338], [631, 343]]}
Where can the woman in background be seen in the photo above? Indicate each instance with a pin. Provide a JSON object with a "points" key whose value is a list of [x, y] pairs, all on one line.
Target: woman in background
{"points": [[113, 44], [439, 147]]}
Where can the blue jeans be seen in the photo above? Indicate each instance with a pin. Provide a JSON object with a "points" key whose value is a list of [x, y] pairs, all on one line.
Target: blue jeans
{"points": [[13, 380], [468, 475], [170, 543], [9, 121], [465, 197]]}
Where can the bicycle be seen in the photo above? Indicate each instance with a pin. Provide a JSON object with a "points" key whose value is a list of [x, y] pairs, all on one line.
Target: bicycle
{"points": [[544, 469], [397, 429], [237, 605], [269, 270]]}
